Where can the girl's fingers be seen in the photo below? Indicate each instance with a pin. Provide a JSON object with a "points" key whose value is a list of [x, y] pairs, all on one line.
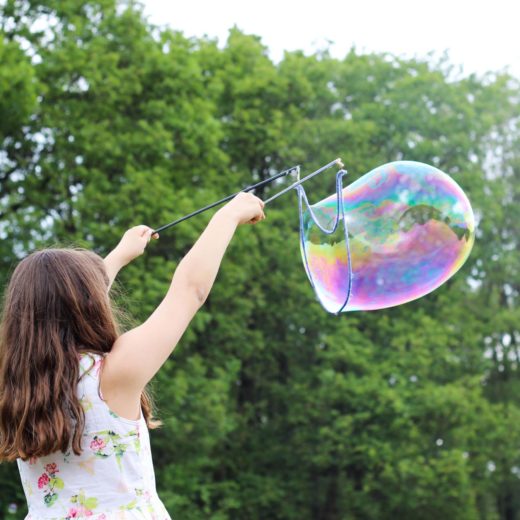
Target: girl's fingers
{"points": [[145, 231], [141, 230], [151, 235]]}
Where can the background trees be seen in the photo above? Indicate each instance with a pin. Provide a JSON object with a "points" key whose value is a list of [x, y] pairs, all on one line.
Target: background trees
{"points": [[272, 408]]}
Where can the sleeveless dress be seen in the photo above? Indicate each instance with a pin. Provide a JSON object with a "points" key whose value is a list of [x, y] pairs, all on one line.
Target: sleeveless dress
{"points": [[113, 478]]}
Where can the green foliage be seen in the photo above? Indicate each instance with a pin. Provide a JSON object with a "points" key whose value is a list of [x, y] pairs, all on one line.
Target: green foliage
{"points": [[272, 408], [17, 88]]}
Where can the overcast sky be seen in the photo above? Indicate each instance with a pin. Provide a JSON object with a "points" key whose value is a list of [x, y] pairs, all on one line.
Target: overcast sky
{"points": [[480, 35]]}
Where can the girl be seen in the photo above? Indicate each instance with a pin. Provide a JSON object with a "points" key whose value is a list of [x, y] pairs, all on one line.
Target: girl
{"points": [[74, 410]]}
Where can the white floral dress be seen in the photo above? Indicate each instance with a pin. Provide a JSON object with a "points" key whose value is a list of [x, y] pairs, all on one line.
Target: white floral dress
{"points": [[112, 479]]}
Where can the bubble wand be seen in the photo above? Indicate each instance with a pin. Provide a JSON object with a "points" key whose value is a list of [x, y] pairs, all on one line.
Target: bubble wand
{"points": [[252, 187]]}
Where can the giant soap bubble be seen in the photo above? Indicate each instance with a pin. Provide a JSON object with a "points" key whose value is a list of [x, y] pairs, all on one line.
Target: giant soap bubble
{"points": [[394, 235]]}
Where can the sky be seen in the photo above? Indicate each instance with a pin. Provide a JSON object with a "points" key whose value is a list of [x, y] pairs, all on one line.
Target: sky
{"points": [[479, 35]]}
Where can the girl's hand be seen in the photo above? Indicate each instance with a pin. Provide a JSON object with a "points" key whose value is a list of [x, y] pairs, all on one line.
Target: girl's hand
{"points": [[133, 243], [245, 208]]}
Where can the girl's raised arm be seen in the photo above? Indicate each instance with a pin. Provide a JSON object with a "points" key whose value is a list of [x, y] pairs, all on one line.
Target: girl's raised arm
{"points": [[138, 354]]}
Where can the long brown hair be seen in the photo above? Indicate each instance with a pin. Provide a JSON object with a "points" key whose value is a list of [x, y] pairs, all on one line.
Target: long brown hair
{"points": [[56, 306]]}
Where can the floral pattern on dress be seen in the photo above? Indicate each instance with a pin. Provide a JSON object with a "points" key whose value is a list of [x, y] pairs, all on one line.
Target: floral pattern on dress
{"points": [[83, 506], [50, 483], [86, 403], [106, 443], [140, 492]]}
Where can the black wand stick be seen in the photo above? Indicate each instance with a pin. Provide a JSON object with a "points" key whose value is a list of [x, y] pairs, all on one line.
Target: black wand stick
{"points": [[229, 197]]}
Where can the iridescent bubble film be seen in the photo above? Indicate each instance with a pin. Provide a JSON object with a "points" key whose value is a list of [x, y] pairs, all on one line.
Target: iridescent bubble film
{"points": [[394, 235]]}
